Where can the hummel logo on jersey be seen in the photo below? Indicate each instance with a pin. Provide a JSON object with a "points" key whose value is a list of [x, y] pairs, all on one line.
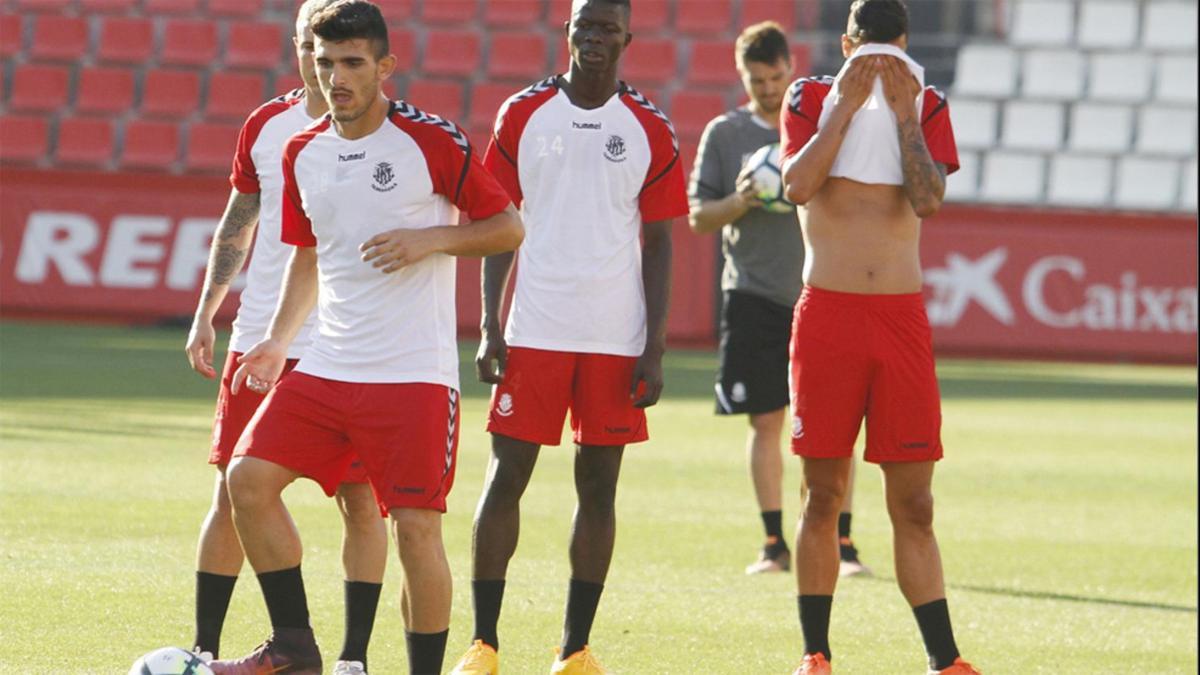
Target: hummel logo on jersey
{"points": [[354, 156], [797, 427], [614, 149], [384, 177], [595, 126], [504, 407]]}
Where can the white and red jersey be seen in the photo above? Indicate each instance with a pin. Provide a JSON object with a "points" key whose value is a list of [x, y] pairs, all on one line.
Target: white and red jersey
{"points": [[257, 167], [415, 171], [802, 112], [586, 181]]}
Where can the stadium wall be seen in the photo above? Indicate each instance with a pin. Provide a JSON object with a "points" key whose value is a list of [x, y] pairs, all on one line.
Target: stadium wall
{"points": [[1000, 282]]}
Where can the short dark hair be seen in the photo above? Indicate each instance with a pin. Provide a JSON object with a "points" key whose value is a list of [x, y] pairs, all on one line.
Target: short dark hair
{"points": [[877, 20], [353, 20], [762, 43]]}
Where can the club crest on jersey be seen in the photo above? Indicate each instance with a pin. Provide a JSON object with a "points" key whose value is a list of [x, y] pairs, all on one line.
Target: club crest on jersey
{"points": [[384, 177], [504, 407], [614, 149], [797, 427]]}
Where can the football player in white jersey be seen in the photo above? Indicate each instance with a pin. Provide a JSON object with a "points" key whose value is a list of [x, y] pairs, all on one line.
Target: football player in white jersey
{"points": [[372, 192], [594, 167], [253, 214]]}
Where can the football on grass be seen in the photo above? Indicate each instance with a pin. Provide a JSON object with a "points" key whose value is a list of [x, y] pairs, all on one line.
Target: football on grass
{"points": [[170, 661]]}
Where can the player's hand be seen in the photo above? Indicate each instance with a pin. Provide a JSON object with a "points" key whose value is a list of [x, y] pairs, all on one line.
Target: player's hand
{"points": [[395, 249], [260, 367], [900, 87], [854, 86], [200, 347], [491, 358], [647, 373], [747, 191]]}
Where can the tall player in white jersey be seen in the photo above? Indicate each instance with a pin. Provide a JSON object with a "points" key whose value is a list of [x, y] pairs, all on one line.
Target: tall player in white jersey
{"points": [[594, 166], [253, 214], [372, 192]]}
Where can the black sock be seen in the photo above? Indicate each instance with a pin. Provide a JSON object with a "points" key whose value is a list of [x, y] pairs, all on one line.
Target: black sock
{"points": [[773, 524], [582, 600], [814, 623], [933, 618], [362, 598], [844, 525], [213, 592], [286, 603], [846, 549], [487, 595], [426, 651]]}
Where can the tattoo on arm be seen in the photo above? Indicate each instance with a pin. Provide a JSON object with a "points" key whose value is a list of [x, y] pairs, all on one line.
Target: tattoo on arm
{"points": [[924, 179], [231, 244]]}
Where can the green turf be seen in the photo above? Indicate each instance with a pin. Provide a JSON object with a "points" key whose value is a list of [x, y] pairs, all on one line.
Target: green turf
{"points": [[1066, 513]]}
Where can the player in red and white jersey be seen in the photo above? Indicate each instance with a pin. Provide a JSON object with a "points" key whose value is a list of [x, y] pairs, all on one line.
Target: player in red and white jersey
{"points": [[257, 195], [371, 194], [869, 161], [593, 166]]}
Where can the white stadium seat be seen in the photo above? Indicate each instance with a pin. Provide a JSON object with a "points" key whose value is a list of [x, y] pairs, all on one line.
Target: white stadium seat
{"points": [[986, 70], [1167, 131], [1042, 22], [1032, 126], [1170, 25], [1080, 180], [1146, 183], [1175, 79], [1056, 75], [1187, 196], [1108, 23], [1118, 76], [963, 185], [1098, 127], [1013, 177], [974, 123]]}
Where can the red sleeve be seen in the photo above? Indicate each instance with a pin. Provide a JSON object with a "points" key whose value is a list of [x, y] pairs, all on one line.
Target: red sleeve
{"points": [[295, 227], [799, 116], [456, 172], [939, 135], [664, 190], [501, 156], [244, 176]]}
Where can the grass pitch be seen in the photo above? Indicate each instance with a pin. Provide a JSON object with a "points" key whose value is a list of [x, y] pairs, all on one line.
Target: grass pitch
{"points": [[1067, 516]]}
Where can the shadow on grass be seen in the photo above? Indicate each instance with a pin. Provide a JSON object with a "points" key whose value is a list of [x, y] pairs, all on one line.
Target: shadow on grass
{"points": [[1060, 597]]}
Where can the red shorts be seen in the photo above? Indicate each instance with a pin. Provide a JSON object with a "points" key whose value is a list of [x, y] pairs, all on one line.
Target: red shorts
{"points": [[406, 435], [540, 386], [854, 354], [234, 412]]}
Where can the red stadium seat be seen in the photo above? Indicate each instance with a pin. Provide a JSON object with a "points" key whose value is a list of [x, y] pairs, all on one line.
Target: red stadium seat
{"points": [[449, 11], [58, 38], [210, 146], [254, 44], [42, 5], [39, 88], [801, 60], [395, 11], [782, 12], [712, 62], [649, 16], [691, 111], [285, 82], [688, 145], [440, 97], [243, 8], [810, 15], [22, 138], [486, 99], [85, 141], [171, 6], [404, 48], [451, 52], [708, 17], [106, 91], [188, 42], [10, 34], [150, 145], [91, 6], [125, 40], [171, 93], [512, 12], [649, 61], [517, 56], [233, 96]]}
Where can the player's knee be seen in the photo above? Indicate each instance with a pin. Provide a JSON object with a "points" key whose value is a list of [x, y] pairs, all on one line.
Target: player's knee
{"points": [[246, 491], [415, 527], [823, 503], [913, 510], [358, 507], [597, 492]]}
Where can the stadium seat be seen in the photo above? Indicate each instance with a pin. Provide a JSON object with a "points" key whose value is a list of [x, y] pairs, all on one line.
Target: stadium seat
{"points": [[1030, 125], [650, 61], [105, 91], [39, 88], [1108, 24], [1055, 75], [1166, 131], [254, 44], [1042, 22], [801, 58], [113, 6], [974, 123], [285, 82], [232, 96], [691, 111], [1145, 183], [1170, 25], [711, 62], [963, 185], [1116, 76], [236, 8], [126, 40], [486, 99], [1097, 127], [188, 42], [711, 17], [1187, 196], [440, 97], [404, 48], [782, 12], [170, 93], [1012, 177], [171, 6], [43, 5], [451, 52], [519, 56], [10, 35], [1175, 79], [210, 146], [150, 145], [512, 13], [85, 141], [449, 11], [1080, 180], [651, 16], [23, 138], [396, 11], [986, 70], [58, 38]]}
